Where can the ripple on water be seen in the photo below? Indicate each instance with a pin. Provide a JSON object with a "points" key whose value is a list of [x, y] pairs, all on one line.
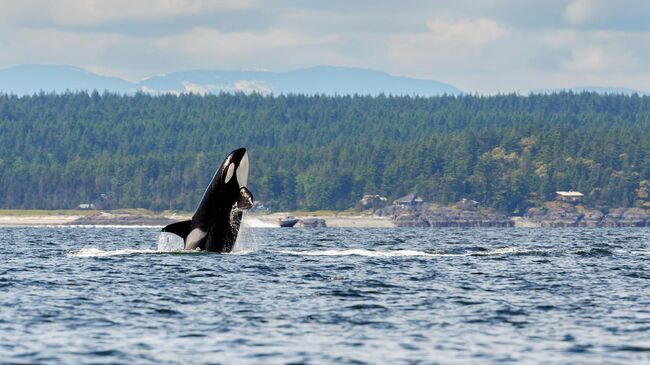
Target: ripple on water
{"points": [[110, 295]]}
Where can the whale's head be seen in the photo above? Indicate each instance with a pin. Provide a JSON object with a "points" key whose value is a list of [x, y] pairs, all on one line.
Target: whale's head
{"points": [[234, 169], [233, 175]]}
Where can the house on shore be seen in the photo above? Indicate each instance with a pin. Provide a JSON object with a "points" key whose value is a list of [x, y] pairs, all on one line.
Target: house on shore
{"points": [[410, 200], [569, 196], [467, 204], [372, 201]]}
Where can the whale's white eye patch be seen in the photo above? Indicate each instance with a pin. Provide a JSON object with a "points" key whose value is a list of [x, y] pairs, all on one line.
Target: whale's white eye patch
{"points": [[242, 171], [231, 170]]}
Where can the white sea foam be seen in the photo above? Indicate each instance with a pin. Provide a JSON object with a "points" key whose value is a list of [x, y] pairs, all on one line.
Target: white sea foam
{"points": [[95, 252], [406, 253], [499, 251], [644, 252], [257, 223], [360, 252]]}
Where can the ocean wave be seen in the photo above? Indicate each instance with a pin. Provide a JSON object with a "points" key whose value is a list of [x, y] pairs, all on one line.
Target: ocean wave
{"points": [[505, 251], [411, 253], [359, 252], [95, 252]]}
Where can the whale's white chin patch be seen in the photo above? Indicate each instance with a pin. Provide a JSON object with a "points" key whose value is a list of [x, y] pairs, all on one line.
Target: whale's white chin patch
{"points": [[242, 171]]}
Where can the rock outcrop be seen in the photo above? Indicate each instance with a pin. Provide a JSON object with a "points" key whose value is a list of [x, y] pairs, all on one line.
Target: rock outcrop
{"points": [[558, 214], [627, 217], [311, 223], [466, 213], [591, 218], [555, 214], [461, 214]]}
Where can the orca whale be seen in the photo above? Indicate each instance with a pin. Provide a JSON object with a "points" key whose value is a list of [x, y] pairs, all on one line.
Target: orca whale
{"points": [[215, 223]]}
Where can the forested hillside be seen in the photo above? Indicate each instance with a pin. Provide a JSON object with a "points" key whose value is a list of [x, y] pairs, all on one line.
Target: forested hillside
{"points": [[508, 152]]}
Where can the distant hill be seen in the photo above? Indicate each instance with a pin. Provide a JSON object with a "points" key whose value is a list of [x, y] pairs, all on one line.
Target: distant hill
{"points": [[316, 80], [29, 79]]}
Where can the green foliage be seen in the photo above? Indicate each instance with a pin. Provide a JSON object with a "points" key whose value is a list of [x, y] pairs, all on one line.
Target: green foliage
{"points": [[159, 152]]}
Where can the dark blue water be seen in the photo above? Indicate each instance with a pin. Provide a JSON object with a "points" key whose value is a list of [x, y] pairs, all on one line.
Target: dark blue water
{"points": [[103, 295]]}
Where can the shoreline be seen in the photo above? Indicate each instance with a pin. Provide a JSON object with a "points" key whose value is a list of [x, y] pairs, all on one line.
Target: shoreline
{"points": [[17, 218], [139, 218]]}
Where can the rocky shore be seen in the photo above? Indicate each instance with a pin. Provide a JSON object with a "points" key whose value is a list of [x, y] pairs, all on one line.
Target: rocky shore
{"points": [[311, 223], [466, 213], [559, 214], [462, 214]]}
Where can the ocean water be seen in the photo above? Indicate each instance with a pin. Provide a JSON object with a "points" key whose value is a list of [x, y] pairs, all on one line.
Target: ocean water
{"points": [[399, 296]]}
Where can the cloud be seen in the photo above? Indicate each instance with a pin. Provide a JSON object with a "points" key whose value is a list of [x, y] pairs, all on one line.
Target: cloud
{"points": [[464, 31], [588, 60], [579, 11], [488, 45], [96, 12], [142, 18], [243, 86], [207, 41], [599, 51], [621, 15], [55, 46], [252, 86], [447, 44]]}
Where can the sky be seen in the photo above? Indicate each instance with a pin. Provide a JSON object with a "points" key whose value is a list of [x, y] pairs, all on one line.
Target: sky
{"points": [[483, 46]]}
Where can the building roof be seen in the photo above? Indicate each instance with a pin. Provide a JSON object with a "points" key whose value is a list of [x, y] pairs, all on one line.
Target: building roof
{"points": [[570, 194], [408, 199]]}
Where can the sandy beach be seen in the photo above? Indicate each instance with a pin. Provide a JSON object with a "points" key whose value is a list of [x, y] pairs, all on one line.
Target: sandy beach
{"points": [[36, 220], [250, 219]]}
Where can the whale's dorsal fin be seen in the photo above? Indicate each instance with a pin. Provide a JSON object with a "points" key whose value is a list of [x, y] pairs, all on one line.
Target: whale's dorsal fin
{"points": [[181, 229]]}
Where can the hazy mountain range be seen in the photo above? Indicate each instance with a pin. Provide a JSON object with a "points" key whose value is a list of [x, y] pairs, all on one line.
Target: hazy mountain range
{"points": [[29, 79], [328, 80]]}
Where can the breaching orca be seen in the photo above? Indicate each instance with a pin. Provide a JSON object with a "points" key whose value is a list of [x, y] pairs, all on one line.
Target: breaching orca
{"points": [[215, 224]]}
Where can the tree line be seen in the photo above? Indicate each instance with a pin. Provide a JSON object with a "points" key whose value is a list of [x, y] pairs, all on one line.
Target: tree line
{"points": [[508, 152]]}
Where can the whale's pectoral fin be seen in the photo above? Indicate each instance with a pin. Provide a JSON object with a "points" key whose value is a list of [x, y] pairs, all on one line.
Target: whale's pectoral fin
{"points": [[245, 200], [181, 229]]}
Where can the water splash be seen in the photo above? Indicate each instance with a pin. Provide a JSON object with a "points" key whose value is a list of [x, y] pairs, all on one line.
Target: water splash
{"points": [[247, 240], [170, 242], [257, 223]]}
